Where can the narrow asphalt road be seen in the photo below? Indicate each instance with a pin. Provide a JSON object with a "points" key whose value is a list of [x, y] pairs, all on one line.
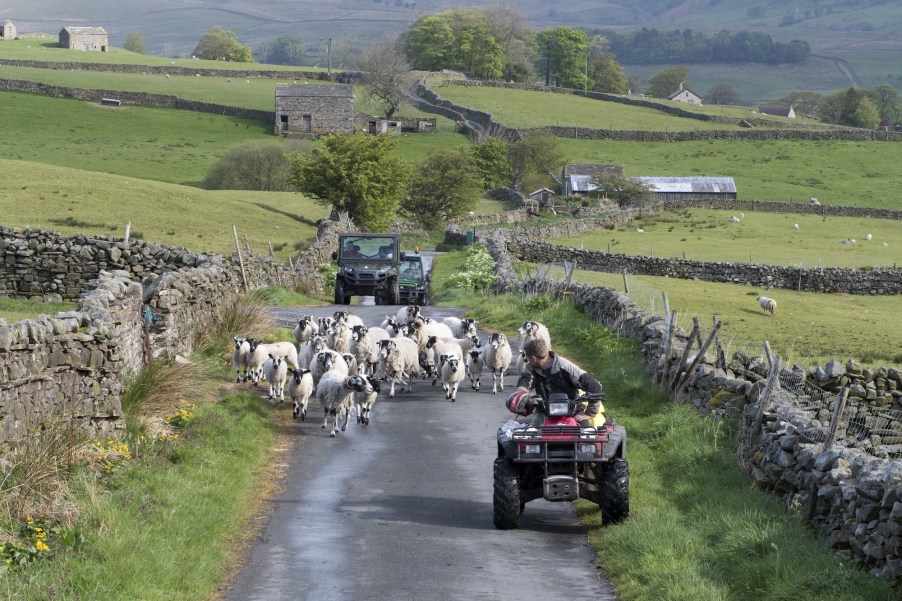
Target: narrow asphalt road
{"points": [[402, 508]]}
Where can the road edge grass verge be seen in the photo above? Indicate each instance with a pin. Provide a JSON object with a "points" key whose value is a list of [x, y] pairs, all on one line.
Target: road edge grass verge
{"points": [[698, 529]]}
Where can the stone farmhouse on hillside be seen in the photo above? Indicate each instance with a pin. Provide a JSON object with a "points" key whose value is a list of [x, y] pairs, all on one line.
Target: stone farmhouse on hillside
{"points": [[778, 110], [84, 38], [685, 95], [690, 188], [309, 109], [576, 178], [7, 30]]}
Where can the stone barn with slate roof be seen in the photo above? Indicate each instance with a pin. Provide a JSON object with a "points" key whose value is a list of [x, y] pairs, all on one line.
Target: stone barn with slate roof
{"points": [[309, 109], [690, 188], [84, 38]]}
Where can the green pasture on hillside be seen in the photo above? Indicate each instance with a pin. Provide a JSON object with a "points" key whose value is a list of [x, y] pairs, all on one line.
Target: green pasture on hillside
{"points": [[768, 238], [73, 201], [809, 328], [864, 174], [527, 108]]}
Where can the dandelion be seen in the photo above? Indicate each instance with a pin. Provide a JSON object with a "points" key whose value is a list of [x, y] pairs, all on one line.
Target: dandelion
{"points": [[40, 546]]}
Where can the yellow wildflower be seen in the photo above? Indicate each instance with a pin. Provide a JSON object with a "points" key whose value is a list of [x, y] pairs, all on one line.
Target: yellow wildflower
{"points": [[40, 546]]}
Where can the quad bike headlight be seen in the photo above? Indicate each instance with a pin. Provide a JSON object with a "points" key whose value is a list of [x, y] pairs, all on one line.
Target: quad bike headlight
{"points": [[533, 449], [587, 448], [558, 408]]}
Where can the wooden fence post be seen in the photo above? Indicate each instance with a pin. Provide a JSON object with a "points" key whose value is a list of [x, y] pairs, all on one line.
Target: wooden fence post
{"points": [[684, 382], [240, 260], [686, 352], [831, 436], [626, 287], [128, 229]]}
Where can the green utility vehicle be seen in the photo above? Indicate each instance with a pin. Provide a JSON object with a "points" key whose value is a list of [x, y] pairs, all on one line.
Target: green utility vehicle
{"points": [[414, 281]]}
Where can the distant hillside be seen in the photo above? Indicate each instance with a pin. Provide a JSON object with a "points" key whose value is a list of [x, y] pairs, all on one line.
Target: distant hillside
{"points": [[865, 34]]}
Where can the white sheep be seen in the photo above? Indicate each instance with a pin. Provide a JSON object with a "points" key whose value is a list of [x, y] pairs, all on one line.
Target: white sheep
{"points": [[869, 237], [475, 363], [534, 329], [300, 389], [452, 375], [276, 370], [390, 324], [814, 201], [353, 366], [365, 346], [768, 305], [327, 360], [399, 359], [734, 219], [348, 318], [258, 354], [461, 327], [335, 392], [339, 337], [365, 398], [521, 361], [640, 230], [239, 357], [741, 216], [310, 349], [306, 329], [498, 358], [795, 226], [407, 313]]}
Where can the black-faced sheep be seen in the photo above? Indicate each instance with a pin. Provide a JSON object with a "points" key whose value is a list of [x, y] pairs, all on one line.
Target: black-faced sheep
{"points": [[327, 360], [300, 389], [461, 327], [534, 329], [365, 398], [335, 392], [310, 349], [475, 363], [365, 346], [306, 329]]}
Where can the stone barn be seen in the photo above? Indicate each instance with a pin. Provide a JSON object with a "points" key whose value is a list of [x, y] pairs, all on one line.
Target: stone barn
{"points": [[690, 188], [314, 109], [84, 38], [576, 178], [7, 30]]}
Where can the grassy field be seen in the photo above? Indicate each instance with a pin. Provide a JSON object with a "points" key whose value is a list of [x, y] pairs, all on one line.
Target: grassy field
{"points": [[13, 310], [841, 173], [769, 238], [72, 201]]}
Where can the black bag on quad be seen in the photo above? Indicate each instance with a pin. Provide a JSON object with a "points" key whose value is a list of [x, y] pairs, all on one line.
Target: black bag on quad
{"points": [[560, 463]]}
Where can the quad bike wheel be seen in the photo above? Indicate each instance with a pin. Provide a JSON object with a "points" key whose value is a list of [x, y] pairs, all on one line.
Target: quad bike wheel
{"points": [[340, 298], [615, 493], [506, 504]]}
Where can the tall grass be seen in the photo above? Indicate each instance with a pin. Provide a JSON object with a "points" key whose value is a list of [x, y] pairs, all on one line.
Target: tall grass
{"points": [[698, 529]]}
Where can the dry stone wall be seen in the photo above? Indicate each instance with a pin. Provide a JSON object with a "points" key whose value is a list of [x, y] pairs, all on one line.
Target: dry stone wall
{"points": [[75, 364], [850, 495]]}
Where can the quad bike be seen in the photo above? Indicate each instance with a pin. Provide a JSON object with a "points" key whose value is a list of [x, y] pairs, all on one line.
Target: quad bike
{"points": [[560, 461]]}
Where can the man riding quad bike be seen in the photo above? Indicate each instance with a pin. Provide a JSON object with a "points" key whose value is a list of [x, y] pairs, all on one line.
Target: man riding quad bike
{"points": [[563, 453]]}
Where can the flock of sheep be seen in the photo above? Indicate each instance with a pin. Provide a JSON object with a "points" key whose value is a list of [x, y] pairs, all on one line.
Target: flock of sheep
{"points": [[345, 363]]}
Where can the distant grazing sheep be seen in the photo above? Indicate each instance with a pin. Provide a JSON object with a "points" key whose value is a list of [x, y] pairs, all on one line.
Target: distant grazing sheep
{"points": [[795, 226], [768, 305], [735, 219], [640, 230], [813, 201], [869, 237]]}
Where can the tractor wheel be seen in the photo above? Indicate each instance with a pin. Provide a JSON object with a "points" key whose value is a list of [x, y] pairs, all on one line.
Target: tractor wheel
{"points": [[424, 300], [394, 292], [340, 298], [615, 492], [506, 502]]}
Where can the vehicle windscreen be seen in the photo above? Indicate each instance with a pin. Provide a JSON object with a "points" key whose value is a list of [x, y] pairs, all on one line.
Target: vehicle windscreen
{"points": [[411, 270], [367, 248]]}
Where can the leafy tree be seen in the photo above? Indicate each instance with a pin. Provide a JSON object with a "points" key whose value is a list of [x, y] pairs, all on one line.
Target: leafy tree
{"points": [[388, 71], [478, 53], [666, 81], [533, 159], [491, 160], [886, 98], [506, 25], [219, 44], [624, 191], [429, 44], [256, 165], [806, 103], [360, 174], [562, 53], [722, 93], [287, 50], [852, 107], [446, 184], [608, 75], [135, 43]]}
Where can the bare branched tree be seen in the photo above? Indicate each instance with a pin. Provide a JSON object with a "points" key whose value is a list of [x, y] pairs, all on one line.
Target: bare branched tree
{"points": [[386, 65]]}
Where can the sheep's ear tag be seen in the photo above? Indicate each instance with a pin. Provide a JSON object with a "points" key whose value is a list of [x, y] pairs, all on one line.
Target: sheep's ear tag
{"points": [[352, 382]]}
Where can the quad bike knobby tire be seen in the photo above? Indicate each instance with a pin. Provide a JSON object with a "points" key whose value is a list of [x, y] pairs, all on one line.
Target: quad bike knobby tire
{"points": [[615, 492], [395, 292], [340, 298], [506, 503]]}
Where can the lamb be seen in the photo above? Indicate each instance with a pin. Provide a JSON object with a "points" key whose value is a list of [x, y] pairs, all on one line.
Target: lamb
{"points": [[365, 398], [399, 358], [768, 305], [327, 360], [498, 357], [239, 357], [460, 327], [475, 363], [300, 389], [276, 370], [452, 375], [534, 329], [365, 346], [335, 392], [306, 329]]}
